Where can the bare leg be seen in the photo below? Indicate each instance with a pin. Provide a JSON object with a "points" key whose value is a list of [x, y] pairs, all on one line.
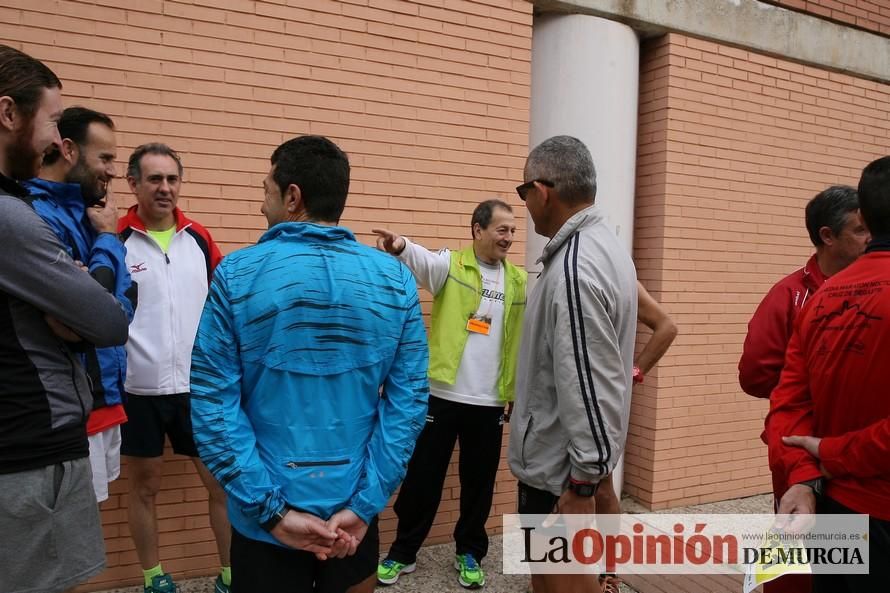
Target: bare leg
{"points": [[606, 504], [366, 586], [538, 585], [219, 517], [606, 500], [145, 481], [568, 583]]}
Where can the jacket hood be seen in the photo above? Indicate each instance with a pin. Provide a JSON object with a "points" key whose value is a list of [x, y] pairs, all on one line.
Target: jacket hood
{"points": [[66, 194], [295, 231]]}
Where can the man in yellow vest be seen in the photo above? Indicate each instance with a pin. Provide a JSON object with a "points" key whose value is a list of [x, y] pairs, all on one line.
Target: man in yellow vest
{"points": [[474, 341]]}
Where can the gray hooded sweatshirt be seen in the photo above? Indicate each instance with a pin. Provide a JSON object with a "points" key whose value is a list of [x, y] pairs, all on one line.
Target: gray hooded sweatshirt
{"points": [[573, 380]]}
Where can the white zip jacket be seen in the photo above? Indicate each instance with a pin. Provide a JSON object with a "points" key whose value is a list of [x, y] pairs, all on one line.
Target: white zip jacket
{"points": [[573, 382], [172, 290]]}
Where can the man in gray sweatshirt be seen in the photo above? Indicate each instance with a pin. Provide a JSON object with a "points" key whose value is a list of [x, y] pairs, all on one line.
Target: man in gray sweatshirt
{"points": [[49, 308], [574, 376]]}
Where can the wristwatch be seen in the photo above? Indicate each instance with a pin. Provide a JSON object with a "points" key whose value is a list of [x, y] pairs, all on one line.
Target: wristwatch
{"points": [[816, 484], [270, 523], [585, 489]]}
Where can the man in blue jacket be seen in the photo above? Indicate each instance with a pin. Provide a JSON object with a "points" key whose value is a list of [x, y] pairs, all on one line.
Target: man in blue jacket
{"points": [[72, 196], [309, 384]]}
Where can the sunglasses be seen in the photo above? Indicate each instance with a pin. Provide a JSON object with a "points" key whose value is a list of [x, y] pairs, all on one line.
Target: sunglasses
{"points": [[523, 189]]}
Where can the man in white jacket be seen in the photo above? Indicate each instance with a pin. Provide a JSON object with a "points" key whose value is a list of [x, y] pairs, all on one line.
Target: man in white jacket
{"points": [[172, 259], [575, 367]]}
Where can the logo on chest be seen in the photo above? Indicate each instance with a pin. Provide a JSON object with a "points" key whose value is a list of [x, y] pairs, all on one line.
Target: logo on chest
{"points": [[140, 267]]}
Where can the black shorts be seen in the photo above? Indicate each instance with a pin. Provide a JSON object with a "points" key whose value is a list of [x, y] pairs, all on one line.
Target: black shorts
{"points": [[535, 502], [150, 417], [260, 566]]}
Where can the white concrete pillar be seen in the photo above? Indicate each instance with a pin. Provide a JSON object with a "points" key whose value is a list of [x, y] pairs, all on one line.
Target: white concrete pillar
{"points": [[585, 83]]}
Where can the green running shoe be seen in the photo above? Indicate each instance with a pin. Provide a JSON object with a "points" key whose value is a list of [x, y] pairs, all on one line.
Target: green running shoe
{"points": [[162, 584], [220, 587], [470, 574], [389, 571]]}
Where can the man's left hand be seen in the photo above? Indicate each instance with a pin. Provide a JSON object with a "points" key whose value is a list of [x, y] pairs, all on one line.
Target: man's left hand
{"points": [[61, 330], [103, 216], [572, 504], [810, 445], [350, 531]]}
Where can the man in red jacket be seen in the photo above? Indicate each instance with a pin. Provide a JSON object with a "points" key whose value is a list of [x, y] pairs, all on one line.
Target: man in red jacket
{"points": [[833, 395], [836, 229]]}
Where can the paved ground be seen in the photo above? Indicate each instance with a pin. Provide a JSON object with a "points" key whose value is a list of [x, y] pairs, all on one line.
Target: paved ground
{"points": [[435, 572]]}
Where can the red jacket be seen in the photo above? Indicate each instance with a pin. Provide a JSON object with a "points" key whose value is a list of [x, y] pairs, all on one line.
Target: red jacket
{"points": [[834, 386], [770, 329]]}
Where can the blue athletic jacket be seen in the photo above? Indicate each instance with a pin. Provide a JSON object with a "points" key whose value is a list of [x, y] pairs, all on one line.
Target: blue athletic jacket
{"points": [[61, 205], [309, 376]]}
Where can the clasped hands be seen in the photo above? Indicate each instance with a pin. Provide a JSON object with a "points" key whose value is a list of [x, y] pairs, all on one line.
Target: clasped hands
{"points": [[337, 537]]}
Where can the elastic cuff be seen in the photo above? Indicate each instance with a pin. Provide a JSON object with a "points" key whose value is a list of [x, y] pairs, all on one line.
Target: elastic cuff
{"points": [[584, 476], [401, 254], [804, 473], [830, 454], [275, 504], [113, 237], [362, 513]]}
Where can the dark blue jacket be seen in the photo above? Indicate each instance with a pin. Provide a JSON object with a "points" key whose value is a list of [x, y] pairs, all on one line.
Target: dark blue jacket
{"points": [[61, 205]]}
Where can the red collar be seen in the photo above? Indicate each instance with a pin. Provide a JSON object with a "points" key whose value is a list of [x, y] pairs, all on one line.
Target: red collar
{"points": [[132, 220], [813, 277]]}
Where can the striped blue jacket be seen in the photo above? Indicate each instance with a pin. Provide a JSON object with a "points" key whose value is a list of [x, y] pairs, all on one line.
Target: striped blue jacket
{"points": [[309, 376]]}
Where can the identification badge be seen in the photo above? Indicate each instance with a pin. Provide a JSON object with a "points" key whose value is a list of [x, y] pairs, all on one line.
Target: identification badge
{"points": [[479, 325]]}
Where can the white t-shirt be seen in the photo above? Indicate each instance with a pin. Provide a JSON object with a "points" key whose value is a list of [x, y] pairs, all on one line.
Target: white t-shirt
{"points": [[477, 375]]}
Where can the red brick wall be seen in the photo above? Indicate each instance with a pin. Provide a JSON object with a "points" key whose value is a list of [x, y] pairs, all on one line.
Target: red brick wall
{"points": [[430, 99], [873, 15], [732, 144]]}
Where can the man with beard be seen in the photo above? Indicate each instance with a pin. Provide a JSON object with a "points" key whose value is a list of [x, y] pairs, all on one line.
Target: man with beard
{"points": [[479, 300], [72, 197], [48, 307]]}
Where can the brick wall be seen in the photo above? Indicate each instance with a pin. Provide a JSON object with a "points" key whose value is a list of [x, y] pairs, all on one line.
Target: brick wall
{"points": [[429, 98], [732, 144], [873, 15]]}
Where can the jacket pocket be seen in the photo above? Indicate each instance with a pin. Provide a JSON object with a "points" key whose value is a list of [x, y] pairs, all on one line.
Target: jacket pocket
{"points": [[314, 463], [319, 484], [528, 429]]}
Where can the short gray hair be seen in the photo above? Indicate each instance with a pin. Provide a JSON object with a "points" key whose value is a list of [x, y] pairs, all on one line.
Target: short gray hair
{"points": [[565, 162], [134, 166]]}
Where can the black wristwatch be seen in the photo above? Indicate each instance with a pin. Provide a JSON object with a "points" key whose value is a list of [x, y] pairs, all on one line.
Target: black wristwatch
{"points": [[585, 489], [270, 523], [817, 484]]}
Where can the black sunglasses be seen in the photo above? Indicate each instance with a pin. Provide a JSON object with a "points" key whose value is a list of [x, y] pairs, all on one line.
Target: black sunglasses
{"points": [[523, 189]]}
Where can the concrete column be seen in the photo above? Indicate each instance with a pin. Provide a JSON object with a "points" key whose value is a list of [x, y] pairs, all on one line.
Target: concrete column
{"points": [[585, 81]]}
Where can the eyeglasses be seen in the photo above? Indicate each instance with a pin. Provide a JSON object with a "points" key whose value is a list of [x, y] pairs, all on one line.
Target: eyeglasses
{"points": [[523, 189]]}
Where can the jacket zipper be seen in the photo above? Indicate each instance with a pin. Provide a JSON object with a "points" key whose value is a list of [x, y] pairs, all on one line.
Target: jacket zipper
{"points": [[67, 353], [172, 303], [299, 464]]}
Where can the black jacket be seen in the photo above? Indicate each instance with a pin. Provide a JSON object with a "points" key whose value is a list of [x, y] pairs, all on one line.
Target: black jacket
{"points": [[44, 394]]}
